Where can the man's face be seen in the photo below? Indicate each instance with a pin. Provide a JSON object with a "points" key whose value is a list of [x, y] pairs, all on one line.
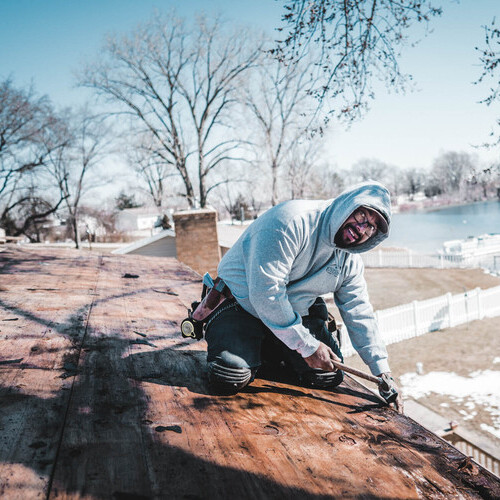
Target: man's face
{"points": [[359, 227]]}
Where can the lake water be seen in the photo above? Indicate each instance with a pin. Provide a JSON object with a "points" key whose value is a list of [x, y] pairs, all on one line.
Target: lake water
{"points": [[427, 231]]}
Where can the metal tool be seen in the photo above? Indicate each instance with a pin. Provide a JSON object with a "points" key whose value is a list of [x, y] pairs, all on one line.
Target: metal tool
{"points": [[190, 328], [214, 294], [390, 396]]}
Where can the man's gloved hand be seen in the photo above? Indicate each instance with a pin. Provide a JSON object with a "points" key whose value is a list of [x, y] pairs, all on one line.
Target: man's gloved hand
{"points": [[390, 392]]}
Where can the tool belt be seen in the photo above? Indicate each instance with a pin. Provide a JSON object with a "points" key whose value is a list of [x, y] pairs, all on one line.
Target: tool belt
{"points": [[214, 296], [214, 293], [320, 310]]}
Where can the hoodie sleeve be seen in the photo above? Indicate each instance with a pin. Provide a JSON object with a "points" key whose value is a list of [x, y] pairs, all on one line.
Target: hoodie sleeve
{"points": [[269, 256], [357, 313]]}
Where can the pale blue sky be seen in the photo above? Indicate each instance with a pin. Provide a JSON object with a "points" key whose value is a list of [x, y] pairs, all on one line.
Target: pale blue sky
{"points": [[44, 41]]}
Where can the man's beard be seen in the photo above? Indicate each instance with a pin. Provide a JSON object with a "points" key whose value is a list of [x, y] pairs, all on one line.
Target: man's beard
{"points": [[341, 242]]}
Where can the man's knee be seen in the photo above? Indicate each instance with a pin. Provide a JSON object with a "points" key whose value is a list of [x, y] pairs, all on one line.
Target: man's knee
{"points": [[228, 373]]}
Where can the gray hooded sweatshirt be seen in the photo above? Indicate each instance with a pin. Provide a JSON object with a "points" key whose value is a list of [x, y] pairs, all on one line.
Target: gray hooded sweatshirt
{"points": [[287, 258]]}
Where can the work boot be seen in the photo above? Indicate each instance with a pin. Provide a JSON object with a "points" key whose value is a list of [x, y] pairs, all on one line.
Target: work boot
{"points": [[322, 379], [228, 380]]}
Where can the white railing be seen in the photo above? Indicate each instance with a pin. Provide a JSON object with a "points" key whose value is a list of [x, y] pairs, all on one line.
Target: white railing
{"points": [[482, 457], [419, 317], [481, 245], [408, 258]]}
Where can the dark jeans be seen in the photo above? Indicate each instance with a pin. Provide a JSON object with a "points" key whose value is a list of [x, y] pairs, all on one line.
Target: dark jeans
{"points": [[240, 340]]}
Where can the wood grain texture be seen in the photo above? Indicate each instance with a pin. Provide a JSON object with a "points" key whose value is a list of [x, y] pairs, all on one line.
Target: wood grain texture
{"points": [[102, 398]]}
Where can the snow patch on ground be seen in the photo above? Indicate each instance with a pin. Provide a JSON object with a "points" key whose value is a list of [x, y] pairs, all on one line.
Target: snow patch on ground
{"points": [[492, 430], [481, 387]]}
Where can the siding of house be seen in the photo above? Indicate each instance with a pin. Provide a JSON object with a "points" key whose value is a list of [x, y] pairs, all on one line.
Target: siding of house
{"points": [[164, 247]]}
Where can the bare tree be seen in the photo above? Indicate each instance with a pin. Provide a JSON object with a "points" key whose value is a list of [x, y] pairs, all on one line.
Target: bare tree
{"points": [[178, 85], [240, 204], [279, 101], [151, 169], [373, 169], [368, 169], [393, 179], [29, 132], [482, 181], [325, 182], [490, 60], [451, 169], [72, 167], [413, 181], [302, 158], [490, 64], [25, 124], [29, 211], [357, 41]]}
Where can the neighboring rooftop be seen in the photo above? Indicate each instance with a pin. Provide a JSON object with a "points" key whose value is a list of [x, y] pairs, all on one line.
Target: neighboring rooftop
{"points": [[102, 398], [161, 244], [229, 233]]}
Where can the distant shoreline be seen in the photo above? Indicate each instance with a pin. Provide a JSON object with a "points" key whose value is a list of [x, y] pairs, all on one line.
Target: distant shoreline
{"points": [[412, 207]]}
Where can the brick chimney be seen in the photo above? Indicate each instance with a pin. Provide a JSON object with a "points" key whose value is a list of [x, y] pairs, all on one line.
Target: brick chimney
{"points": [[197, 241]]}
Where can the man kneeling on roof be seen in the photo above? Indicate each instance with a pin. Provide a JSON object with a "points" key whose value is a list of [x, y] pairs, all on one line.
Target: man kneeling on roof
{"points": [[276, 272]]}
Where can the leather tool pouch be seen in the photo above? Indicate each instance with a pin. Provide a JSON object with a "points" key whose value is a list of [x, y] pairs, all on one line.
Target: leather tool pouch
{"points": [[215, 293], [319, 310]]}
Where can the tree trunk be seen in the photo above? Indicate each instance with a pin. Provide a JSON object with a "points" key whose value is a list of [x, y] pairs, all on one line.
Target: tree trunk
{"points": [[203, 193], [274, 186], [191, 199], [76, 234]]}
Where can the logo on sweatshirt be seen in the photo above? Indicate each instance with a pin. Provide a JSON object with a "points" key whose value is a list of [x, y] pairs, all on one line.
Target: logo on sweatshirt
{"points": [[335, 270]]}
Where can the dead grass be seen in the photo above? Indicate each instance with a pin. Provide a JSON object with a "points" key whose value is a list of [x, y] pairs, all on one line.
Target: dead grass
{"points": [[389, 287]]}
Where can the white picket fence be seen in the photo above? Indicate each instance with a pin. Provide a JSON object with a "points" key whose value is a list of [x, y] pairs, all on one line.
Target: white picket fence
{"points": [[419, 317], [408, 258]]}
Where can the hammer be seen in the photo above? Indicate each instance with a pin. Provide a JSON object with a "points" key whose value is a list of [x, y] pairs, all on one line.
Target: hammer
{"points": [[390, 396]]}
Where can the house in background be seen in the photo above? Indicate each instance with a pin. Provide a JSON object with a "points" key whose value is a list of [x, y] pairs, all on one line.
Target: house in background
{"points": [[158, 245], [195, 241], [200, 235], [140, 222]]}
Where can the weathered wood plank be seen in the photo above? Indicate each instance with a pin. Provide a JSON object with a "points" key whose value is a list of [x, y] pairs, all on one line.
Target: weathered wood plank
{"points": [[42, 328], [104, 435]]}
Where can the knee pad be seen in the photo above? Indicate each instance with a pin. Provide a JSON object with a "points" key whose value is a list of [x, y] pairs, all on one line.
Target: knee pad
{"points": [[228, 380], [321, 379]]}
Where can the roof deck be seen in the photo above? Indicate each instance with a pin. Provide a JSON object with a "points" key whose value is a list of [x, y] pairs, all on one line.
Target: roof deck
{"points": [[100, 397]]}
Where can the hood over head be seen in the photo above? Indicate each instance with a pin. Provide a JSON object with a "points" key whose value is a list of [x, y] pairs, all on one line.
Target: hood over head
{"points": [[369, 194]]}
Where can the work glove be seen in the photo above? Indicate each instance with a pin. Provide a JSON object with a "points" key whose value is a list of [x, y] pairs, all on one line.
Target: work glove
{"points": [[390, 392]]}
